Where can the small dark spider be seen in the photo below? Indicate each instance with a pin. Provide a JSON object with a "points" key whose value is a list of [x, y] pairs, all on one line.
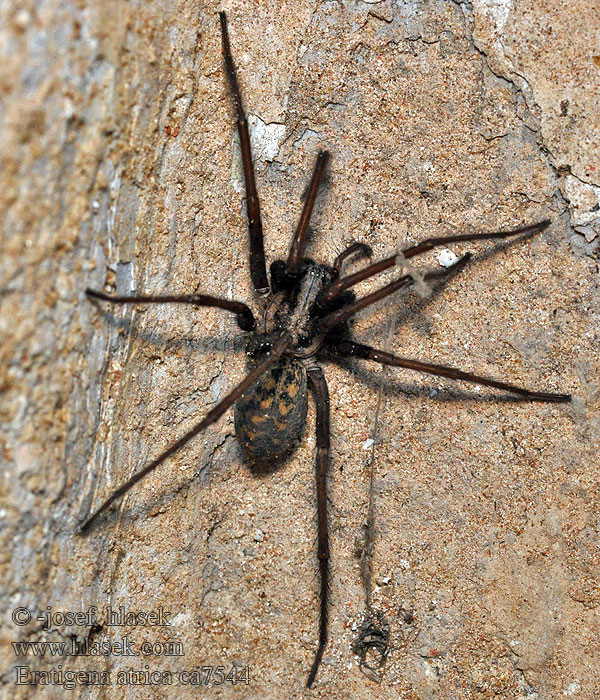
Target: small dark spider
{"points": [[304, 315]]}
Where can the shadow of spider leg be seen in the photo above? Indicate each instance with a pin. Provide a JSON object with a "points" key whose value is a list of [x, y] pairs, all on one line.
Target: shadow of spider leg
{"points": [[211, 417], [343, 347], [348, 348], [345, 282], [331, 320]]}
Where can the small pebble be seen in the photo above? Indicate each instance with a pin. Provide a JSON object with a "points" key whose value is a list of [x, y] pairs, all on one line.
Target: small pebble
{"points": [[447, 258], [22, 19]]}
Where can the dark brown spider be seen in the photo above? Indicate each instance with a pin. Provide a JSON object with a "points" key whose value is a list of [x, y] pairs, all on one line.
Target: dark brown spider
{"points": [[304, 315]]}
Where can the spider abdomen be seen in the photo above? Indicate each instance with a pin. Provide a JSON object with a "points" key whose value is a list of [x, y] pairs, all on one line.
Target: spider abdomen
{"points": [[270, 416]]}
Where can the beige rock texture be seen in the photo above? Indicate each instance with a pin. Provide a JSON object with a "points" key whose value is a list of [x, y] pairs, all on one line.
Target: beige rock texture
{"points": [[120, 171]]}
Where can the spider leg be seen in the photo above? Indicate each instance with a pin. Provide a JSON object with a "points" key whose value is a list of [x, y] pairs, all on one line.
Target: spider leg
{"points": [[300, 237], [362, 248], [245, 318], [258, 271], [336, 317], [348, 348], [345, 282], [213, 415], [319, 389]]}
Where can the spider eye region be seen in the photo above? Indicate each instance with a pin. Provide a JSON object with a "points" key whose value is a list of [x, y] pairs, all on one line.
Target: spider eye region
{"points": [[270, 417]]}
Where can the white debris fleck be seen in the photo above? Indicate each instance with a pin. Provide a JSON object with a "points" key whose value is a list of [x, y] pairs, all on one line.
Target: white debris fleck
{"points": [[259, 535], [266, 141], [584, 200], [22, 19], [498, 11], [68, 109], [368, 444], [266, 138], [447, 258], [572, 688], [180, 619]]}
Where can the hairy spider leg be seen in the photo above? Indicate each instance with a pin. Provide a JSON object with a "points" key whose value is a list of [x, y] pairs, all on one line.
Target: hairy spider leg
{"points": [[213, 415], [245, 318], [345, 282], [258, 271], [300, 238], [348, 348], [336, 317], [318, 385]]}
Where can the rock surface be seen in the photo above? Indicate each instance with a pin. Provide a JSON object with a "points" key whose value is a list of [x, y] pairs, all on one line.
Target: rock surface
{"points": [[120, 170]]}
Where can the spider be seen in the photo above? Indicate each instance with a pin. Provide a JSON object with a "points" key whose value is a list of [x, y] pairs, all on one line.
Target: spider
{"points": [[305, 309]]}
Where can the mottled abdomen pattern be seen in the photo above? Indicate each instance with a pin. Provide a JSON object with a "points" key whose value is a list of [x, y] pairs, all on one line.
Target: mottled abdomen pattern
{"points": [[270, 417]]}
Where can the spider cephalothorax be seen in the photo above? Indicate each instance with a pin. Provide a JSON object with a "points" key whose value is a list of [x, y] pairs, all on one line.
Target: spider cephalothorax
{"points": [[306, 311]]}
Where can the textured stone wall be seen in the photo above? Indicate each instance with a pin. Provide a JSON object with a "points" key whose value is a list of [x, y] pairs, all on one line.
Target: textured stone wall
{"points": [[119, 170]]}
